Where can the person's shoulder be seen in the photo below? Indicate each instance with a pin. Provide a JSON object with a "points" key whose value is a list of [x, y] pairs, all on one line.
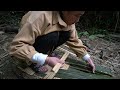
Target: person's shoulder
{"points": [[34, 15]]}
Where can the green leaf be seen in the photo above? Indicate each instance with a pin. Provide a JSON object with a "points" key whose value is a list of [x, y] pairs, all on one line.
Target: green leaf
{"points": [[100, 35], [92, 37], [85, 33]]}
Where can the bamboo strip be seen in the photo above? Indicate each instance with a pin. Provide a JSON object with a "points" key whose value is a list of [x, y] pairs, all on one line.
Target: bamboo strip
{"points": [[57, 67], [47, 75], [65, 67], [62, 49]]}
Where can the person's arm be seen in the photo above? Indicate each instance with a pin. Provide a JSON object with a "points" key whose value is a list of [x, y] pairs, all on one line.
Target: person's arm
{"points": [[77, 46], [21, 46]]}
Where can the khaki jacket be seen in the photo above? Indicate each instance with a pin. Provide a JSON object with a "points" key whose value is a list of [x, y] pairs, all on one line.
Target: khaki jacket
{"points": [[37, 23]]}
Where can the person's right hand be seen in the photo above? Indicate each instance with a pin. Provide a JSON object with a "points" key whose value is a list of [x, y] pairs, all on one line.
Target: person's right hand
{"points": [[52, 61], [90, 61]]}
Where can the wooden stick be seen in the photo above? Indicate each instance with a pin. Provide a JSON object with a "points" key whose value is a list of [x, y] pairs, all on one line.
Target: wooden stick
{"points": [[56, 78], [51, 74], [65, 66], [62, 49], [58, 65]]}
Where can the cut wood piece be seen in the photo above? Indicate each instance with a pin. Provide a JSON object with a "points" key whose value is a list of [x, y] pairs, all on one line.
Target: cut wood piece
{"points": [[63, 50], [48, 74], [27, 70], [66, 45], [56, 78], [51, 75], [58, 65], [64, 56], [65, 67]]}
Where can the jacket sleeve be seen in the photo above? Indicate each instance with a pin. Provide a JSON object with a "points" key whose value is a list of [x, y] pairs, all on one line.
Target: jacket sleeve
{"points": [[21, 46], [76, 44]]}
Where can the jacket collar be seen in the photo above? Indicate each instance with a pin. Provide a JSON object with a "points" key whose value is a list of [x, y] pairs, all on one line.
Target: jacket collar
{"points": [[58, 19]]}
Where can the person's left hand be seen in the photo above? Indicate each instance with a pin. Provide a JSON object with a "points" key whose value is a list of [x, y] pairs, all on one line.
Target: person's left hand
{"points": [[90, 61]]}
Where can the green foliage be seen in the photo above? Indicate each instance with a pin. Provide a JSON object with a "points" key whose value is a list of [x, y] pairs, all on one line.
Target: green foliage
{"points": [[83, 33], [92, 37], [93, 33], [105, 20], [94, 30]]}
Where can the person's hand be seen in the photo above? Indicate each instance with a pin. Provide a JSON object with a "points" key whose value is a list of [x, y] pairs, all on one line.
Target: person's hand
{"points": [[52, 61], [90, 61]]}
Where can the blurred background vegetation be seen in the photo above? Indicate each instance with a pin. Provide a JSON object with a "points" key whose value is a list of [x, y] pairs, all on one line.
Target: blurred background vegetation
{"points": [[94, 22], [100, 22]]}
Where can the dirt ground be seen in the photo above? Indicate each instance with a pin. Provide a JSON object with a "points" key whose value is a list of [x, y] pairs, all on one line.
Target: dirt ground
{"points": [[105, 52]]}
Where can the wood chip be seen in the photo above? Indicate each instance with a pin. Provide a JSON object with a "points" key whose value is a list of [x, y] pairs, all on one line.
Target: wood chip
{"points": [[65, 67]]}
